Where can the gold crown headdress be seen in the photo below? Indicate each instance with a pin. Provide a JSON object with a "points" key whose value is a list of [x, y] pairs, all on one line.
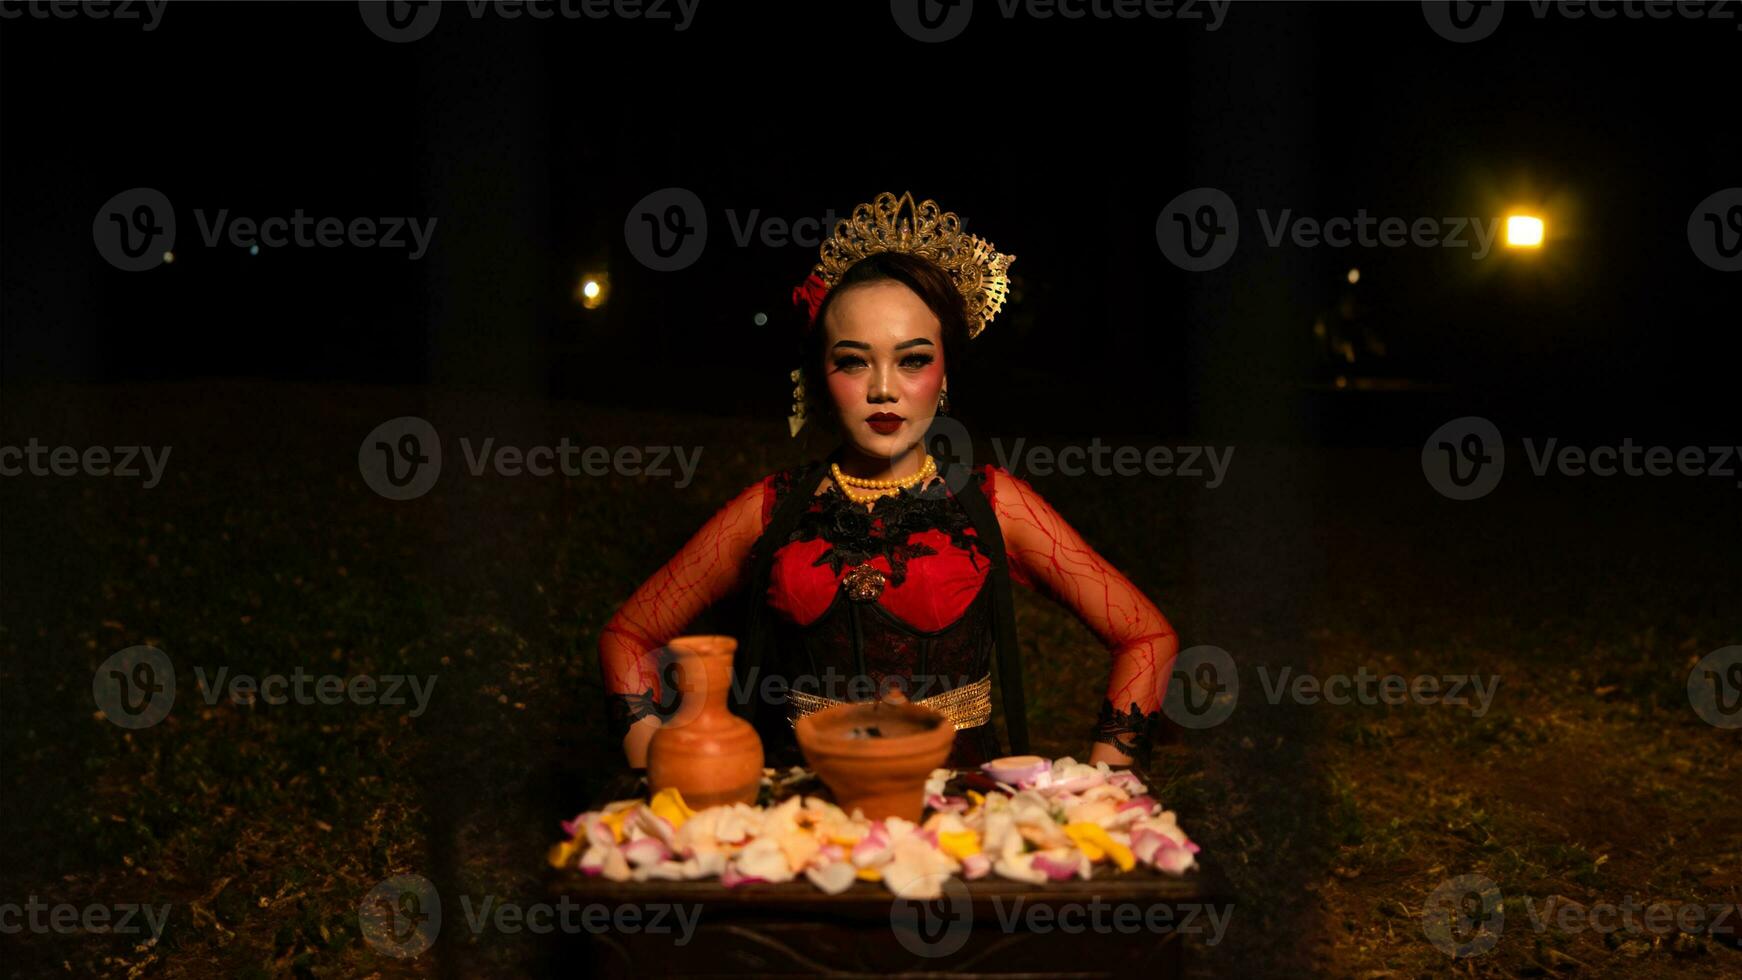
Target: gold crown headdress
{"points": [[896, 224]]}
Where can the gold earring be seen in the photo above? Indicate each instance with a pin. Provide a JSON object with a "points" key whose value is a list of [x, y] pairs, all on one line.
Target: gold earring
{"points": [[795, 421], [944, 401]]}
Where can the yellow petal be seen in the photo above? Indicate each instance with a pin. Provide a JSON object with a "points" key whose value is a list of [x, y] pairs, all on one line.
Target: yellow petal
{"points": [[562, 854], [1081, 834], [614, 820], [870, 874], [1093, 840], [976, 798], [959, 845], [668, 803]]}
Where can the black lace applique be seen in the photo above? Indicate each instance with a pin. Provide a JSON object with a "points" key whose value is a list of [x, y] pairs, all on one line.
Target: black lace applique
{"points": [[1129, 732], [624, 710], [858, 535], [780, 483]]}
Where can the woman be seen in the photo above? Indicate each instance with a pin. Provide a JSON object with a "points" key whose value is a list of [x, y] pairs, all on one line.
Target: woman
{"points": [[868, 573]]}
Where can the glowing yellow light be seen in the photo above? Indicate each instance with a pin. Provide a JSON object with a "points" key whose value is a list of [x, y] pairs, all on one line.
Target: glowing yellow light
{"points": [[1354, 276], [1523, 231], [168, 257], [593, 290]]}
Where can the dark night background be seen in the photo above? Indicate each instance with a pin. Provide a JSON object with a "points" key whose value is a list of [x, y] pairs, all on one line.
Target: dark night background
{"points": [[530, 142]]}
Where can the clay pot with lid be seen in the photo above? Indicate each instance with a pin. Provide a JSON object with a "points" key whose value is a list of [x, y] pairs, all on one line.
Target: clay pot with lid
{"points": [[712, 756], [876, 755]]}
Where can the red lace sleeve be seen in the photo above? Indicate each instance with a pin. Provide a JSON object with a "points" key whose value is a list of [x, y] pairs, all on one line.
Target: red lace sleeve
{"points": [[1048, 555], [706, 569]]}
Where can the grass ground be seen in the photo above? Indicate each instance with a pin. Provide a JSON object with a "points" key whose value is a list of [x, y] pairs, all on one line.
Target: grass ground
{"points": [[1588, 780]]}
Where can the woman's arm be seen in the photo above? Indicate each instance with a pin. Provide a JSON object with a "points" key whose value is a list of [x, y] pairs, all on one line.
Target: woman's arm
{"points": [[704, 570], [1047, 554]]}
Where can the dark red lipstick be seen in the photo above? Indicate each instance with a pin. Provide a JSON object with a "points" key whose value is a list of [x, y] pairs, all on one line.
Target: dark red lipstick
{"points": [[884, 423]]}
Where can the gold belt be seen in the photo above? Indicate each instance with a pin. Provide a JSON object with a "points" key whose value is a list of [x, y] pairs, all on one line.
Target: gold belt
{"points": [[966, 706]]}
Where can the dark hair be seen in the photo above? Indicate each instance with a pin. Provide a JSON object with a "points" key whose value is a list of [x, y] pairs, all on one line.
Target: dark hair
{"points": [[927, 280]]}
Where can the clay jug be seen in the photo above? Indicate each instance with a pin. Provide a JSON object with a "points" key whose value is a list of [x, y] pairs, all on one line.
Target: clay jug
{"points": [[712, 756]]}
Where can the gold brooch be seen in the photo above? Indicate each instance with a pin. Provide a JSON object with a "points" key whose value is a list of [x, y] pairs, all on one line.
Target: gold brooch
{"points": [[864, 583]]}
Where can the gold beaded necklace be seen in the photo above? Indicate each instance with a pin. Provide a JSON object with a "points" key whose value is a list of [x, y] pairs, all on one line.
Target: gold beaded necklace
{"points": [[863, 491]]}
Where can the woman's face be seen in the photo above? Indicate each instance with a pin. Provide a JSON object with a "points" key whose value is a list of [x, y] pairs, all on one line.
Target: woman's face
{"points": [[883, 358]]}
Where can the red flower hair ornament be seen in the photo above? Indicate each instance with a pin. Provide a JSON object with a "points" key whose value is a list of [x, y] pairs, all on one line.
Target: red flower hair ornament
{"points": [[808, 295]]}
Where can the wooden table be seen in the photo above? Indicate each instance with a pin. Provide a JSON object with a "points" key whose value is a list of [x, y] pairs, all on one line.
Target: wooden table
{"points": [[1127, 924]]}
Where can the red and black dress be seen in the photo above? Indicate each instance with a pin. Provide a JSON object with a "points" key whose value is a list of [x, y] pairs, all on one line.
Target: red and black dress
{"points": [[859, 601], [846, 602]]}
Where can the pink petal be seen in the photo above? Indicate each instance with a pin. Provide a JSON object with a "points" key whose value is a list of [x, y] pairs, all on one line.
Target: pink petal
{"points": [[1056, 868]]}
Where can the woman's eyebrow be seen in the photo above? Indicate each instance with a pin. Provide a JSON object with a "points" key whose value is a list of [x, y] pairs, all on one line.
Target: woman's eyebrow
{"points": [[856, 344], [915, 342]]}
